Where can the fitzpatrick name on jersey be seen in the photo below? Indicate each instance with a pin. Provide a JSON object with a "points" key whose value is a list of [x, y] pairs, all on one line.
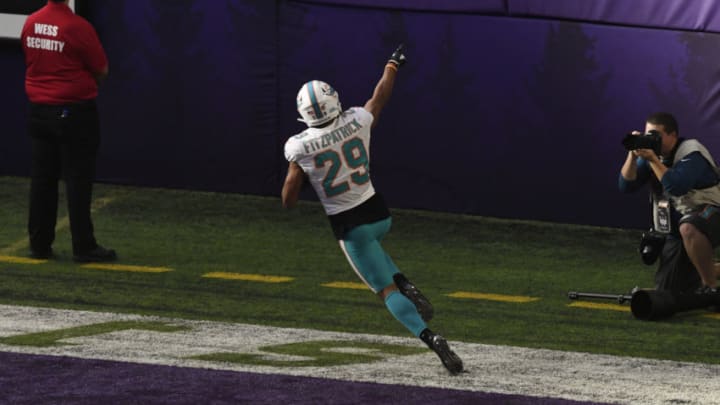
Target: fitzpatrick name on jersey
{"points": [[337, 135]]}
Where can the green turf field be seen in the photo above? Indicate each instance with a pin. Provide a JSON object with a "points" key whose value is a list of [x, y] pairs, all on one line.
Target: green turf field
{"points": [[239, 258]]}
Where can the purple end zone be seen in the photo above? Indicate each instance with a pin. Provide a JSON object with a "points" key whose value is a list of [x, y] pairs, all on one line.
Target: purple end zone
{"points": [[36, 379]]}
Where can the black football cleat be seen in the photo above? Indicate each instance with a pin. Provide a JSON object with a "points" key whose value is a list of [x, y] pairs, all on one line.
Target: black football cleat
{"points": [[408, 289], [449, 359]]}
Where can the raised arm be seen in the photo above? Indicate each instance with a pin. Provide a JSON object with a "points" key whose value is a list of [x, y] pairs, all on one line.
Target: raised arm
{"points": [[384, 87]]}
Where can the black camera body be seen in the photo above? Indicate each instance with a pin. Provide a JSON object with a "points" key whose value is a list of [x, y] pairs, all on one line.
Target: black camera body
{"points": [[651, 140], [651, 245]]}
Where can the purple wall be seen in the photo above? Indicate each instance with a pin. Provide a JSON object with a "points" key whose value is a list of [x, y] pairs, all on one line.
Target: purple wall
{"points": [[505, 109], [690, 15]]}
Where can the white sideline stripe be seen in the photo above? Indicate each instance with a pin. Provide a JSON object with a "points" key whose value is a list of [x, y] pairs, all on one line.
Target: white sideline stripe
{"points": [[499, 369]]}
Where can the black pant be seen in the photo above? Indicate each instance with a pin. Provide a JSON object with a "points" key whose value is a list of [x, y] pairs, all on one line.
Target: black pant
{"points": [[676, 272], [65, 141]]}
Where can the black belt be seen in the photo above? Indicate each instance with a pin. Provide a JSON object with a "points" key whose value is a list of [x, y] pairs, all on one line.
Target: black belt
{"points": [[64, 110]]}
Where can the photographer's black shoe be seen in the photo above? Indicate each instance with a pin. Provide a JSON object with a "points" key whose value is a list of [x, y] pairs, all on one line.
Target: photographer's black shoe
{"points": [[449, 359], [707, 290], [99, 254], [711, 293], [408, 289]]}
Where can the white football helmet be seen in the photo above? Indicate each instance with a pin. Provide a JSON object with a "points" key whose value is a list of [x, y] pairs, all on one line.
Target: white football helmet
{"points": [[317, 103]]}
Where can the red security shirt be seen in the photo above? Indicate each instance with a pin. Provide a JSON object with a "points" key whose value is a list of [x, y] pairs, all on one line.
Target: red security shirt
{"points": [[62, 55]]}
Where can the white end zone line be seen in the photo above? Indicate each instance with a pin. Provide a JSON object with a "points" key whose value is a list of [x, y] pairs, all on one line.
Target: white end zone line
{"points": [[499, 369]]}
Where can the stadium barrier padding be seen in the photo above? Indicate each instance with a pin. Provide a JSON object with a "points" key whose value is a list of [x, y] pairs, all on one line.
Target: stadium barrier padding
{"points": [[494, 114], [691, 15]]}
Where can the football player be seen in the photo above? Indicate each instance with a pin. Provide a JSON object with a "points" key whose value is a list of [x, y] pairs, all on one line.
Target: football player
{"points": [[333, 153]]}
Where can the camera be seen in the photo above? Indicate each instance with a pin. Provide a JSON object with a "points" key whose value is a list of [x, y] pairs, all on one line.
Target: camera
{"points": [[651, 140], [651, 244]]}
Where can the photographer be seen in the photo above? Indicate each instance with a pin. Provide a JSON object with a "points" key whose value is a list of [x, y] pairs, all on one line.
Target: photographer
{"points": [[685, 199]]}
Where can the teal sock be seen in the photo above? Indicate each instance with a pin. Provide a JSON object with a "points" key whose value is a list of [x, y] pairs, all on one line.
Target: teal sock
{"points": [[404, 311]]}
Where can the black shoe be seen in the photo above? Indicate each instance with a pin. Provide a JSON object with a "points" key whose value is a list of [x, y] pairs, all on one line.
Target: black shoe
{"points": [[449, 359], [99, 254], [42, 254], [408, 289], [705, 289], [711, 295]]}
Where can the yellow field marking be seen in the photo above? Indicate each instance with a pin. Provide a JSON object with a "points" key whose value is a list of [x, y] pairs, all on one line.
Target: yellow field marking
{"points": [[126, 267], [61, 224], [21, 260], [493, 297], [248, 277], [14, 247], [346, 284], [597, 305]]}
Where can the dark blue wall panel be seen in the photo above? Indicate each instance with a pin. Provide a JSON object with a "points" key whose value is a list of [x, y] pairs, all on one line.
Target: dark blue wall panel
{"points": [[15, 149], [458, 6], [191, 97], [692, 15], [504, 116], [493, 114]]}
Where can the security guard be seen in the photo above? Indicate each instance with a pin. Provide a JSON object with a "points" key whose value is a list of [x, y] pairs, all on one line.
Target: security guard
{"points": [[65, 62]]}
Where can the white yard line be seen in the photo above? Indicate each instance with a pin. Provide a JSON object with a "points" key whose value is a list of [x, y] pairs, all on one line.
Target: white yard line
{"points": [[498, 369]]}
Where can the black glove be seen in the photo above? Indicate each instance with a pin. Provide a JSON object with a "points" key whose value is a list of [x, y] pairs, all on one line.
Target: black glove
{"points": [[398, 57]]}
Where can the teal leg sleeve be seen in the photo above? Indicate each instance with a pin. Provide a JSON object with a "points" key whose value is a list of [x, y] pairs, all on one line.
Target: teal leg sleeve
{"points": [[366, 255], [404, 311]]}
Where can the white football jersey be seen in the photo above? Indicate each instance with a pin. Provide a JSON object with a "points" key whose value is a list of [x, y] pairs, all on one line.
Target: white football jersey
{"points": [[336, 159]]}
